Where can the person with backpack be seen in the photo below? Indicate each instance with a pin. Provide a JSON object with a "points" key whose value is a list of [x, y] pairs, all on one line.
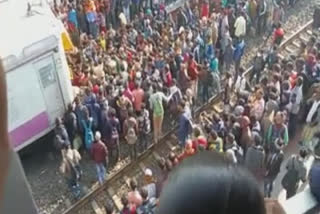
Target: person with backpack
{"points": [[99, 153], [148, 205], [130, 128], [296, 172], [234, 152], [273, 165]]}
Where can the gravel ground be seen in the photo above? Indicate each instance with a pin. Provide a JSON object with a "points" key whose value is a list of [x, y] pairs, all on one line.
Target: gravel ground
{"points": [[41, 162]]}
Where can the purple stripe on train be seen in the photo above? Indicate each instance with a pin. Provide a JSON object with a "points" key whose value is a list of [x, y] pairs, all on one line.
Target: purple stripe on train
{"points": [[29, 129]]}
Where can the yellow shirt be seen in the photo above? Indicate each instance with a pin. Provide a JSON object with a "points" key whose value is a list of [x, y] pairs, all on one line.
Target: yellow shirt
{"points": [[103, 44], [215, 145]]}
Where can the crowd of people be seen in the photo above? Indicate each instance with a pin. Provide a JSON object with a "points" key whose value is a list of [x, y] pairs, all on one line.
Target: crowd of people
{"points": [[138, 66]]}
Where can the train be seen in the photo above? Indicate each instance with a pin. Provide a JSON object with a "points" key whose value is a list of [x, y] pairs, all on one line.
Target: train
{"points": [[36, 69]]}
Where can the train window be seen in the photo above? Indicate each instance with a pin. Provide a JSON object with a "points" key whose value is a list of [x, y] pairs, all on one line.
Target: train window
{"points": [[47, 75]]}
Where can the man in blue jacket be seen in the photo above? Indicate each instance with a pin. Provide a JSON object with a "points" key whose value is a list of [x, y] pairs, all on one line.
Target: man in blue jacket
{"points": [[237, 55]]}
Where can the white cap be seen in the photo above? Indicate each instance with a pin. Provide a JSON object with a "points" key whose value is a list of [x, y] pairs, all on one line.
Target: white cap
{"points": [[98, 135], [148, 172], [181, 30]]}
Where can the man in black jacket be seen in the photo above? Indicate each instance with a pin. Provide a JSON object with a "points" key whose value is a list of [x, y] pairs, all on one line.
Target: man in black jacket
{"points": [[273, 165]]}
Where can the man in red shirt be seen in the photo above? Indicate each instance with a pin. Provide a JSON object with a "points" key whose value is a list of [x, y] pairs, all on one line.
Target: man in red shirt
{"points": [[205, 9], [99, 153], [188, 151], [138, 97], [193, 74], [200, 142], [278, 35]]}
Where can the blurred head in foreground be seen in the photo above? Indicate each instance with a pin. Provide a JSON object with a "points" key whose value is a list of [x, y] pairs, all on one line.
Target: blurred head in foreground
{"points": [[206, 184]]}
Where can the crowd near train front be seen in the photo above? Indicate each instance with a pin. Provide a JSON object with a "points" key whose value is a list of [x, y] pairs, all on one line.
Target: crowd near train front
{"points": [[140, 69]]}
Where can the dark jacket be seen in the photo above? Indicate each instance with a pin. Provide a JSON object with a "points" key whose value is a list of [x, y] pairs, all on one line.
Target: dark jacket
{"points": [[254, 160], [315, 179], [70, 121], [273, 165]]}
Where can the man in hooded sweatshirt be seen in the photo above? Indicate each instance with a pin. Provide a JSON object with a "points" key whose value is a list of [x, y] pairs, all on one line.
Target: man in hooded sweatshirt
{"points": [[254, 159]]}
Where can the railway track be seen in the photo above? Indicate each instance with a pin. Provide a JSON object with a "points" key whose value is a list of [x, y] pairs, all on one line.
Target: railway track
{"points": [[118, 183]]}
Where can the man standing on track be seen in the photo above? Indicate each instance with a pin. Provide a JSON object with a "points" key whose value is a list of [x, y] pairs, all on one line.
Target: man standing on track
{"points": [[237, 55], [99, 154], [296, 171], [273, 165]]}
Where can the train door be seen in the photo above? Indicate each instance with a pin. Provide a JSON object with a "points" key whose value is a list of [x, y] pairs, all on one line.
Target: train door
{"points": [[51, 90]]}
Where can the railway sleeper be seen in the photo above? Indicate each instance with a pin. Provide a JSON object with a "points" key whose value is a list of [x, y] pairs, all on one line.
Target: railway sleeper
{"points": [[115, 198], [96, 207]]}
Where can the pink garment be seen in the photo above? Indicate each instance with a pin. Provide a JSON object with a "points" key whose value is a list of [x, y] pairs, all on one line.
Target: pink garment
{"points": [[134, 198], [205, 10], [128, 94], [138, 95]]}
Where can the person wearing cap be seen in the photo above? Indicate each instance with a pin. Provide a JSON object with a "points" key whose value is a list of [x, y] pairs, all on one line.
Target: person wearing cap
{"points": [[149, 183], [99, 153]]}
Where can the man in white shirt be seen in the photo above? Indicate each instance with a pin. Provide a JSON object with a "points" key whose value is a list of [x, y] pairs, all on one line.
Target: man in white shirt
{"points": [[313, 110], [294, 105], [240, 85], [240, 26]]}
